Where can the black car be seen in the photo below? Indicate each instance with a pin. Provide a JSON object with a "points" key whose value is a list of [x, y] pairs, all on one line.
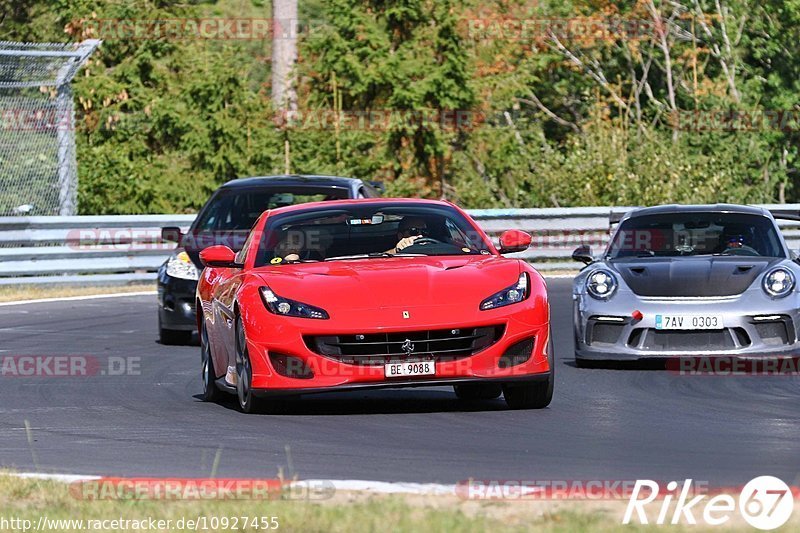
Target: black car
{"points": [[226, 219]]}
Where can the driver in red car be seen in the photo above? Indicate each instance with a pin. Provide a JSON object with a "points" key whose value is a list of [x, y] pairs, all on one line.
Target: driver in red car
{"points": [[410, 229]]}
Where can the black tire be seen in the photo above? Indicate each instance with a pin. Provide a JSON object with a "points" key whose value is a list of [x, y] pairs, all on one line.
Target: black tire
{"points": [[478, 391], [173, 337], [244, 373], [532, 394], [210, 391]]}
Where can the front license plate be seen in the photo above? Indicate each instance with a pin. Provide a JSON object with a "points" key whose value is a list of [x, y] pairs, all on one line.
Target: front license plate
{"points": [[399, 370], [689, 322]]}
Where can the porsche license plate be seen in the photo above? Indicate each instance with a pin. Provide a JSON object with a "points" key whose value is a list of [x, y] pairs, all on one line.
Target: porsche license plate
{"points": [[689, 322], [399, 370]]}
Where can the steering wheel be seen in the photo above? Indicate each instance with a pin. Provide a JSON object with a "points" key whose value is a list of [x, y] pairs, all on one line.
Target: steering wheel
{"points": [[744, 250], [422, 241]]}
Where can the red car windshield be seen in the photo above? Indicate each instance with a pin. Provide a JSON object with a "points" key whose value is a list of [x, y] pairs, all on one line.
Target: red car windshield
{"points": [[374, 230]]}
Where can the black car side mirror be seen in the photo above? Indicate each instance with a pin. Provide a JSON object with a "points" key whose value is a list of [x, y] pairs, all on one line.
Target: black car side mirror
{"points": [[583, 254], [171, 234]]}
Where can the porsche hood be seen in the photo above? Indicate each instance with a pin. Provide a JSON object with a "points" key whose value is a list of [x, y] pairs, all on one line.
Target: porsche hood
{"points": [[707, 276]]}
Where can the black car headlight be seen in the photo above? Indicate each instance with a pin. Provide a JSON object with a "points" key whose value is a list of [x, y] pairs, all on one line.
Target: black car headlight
{"points": [[510, 295], [778, 282], [286, 307], [601, 284], [180, 265]]}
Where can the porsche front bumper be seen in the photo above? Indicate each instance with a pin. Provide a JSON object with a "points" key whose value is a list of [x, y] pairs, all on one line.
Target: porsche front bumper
{"points": [[755, 326]]}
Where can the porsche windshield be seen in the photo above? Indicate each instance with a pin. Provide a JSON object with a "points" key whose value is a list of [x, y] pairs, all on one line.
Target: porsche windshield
{"points": [[695, 234], [368, 231]]}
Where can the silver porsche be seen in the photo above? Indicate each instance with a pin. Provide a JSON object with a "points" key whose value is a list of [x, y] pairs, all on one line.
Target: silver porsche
{"points": [[678, 280]]}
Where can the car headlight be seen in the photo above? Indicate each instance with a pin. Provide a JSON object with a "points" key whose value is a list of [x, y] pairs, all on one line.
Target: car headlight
{"points": [[778, 282], [601, 284], [180, 266], [510, 295], [286, 307]]}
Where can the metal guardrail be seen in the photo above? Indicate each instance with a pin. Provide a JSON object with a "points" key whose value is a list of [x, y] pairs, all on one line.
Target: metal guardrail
{"points": [[124, 248], [84, 249]]}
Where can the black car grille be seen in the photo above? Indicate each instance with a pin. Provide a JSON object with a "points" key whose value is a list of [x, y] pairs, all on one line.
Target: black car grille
{"points": [[379, 348], [779, 331], [602, 333], [678, 341]]}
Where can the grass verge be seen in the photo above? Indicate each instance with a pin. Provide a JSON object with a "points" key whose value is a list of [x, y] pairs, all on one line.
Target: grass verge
{"points": [[13, 293], [29, 499]]}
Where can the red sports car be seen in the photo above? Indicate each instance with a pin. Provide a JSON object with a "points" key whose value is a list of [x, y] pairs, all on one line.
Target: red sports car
{"points": [[353, 294]]}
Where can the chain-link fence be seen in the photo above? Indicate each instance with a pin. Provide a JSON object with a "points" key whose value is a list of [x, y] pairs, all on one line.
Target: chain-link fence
{"points": [[38, 171]]}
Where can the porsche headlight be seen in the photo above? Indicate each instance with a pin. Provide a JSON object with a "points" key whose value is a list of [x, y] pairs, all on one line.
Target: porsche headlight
{"points": [[286, 307], [778, 282], [180, 266], [510, 295], [601, 284]]}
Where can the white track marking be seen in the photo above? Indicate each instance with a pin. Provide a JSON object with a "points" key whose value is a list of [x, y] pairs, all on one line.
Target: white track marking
{"points": [[355, 485], [64, 478], [78, 298], [149, 293], [381, 487]]}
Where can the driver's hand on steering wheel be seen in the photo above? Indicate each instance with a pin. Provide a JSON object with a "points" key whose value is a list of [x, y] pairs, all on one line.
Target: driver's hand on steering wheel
{"points": [[406, 242]]}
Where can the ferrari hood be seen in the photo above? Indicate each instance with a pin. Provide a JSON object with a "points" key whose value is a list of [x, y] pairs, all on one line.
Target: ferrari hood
{"points": [[393, 282], [691, 276]]}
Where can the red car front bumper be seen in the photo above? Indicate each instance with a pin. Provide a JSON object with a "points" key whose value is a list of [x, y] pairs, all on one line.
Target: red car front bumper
{"points": [[285, 337]]}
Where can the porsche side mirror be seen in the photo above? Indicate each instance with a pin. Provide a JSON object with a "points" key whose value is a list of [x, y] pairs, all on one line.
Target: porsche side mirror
{"points": [[219, 256], [171, 234], [583, 254], [514, 240]]}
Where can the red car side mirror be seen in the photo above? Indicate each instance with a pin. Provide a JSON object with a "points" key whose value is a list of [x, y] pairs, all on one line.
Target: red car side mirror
{"points": [[514, 240], [219, 256]]}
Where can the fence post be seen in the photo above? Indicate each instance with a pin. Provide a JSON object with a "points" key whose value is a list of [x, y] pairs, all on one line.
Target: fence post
{"points": [[39, 164]]}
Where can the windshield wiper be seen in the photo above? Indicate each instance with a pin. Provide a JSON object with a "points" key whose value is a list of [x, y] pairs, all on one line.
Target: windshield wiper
{"points": [[371, 255], [358, 256]]}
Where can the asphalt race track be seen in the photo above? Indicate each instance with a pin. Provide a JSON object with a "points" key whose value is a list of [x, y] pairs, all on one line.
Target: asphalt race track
{"points": [[607, 424]]}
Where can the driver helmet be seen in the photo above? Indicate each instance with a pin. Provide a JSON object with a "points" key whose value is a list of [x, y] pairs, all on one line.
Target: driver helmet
{"points": [[734, 237]]}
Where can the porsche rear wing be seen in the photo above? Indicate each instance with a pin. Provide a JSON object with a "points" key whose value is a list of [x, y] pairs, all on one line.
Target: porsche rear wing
{"points": [[778, 213]]}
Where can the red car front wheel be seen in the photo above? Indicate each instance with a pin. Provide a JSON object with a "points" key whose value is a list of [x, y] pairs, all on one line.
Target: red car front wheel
{"points": [[244, 372]]}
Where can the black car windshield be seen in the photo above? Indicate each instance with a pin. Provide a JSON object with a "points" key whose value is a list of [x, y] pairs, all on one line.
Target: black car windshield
{"points": [[695, 234], [235, 209], [368, 231]]}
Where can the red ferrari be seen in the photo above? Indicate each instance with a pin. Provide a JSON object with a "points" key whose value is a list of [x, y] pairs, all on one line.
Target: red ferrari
{"points": [[353, 294]]}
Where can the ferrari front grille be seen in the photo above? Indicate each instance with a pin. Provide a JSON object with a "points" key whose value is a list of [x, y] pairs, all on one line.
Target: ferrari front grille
{"points": [[378, 348]]}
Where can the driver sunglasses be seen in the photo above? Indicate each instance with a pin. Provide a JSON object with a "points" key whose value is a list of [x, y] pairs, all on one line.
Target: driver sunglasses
{"points": [[417, 232]]}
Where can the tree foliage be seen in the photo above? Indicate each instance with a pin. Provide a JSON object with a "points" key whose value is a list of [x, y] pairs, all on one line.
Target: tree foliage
{"points": [[584, 102]]}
